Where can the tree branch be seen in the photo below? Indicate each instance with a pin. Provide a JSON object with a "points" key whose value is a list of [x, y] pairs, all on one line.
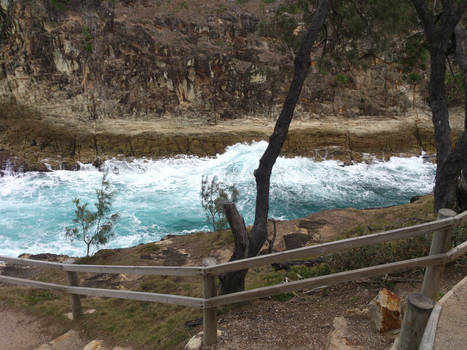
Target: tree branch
{"points": [[302, 64], [425, 16]]}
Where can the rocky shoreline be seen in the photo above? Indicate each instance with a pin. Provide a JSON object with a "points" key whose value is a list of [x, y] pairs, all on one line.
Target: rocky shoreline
{"points": [[34, 142], [113, 80]]}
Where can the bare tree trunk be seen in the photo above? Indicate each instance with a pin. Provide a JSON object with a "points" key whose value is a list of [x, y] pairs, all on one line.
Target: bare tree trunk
{"points": [[447, 189], [302, 64], [259, 232], [461, 58], [232, 282], [448, 175], [438, 32], [439, 105]]}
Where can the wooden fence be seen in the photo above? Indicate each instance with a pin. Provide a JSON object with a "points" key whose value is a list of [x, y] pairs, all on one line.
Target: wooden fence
{"points": [[440, 254]]}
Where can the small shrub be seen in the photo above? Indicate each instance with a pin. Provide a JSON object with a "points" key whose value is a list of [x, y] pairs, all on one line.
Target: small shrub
{"points": [[60, 5], [38, 296], [342, 79], [414, 78], [94, 227], [221, 8], [87, 39], [183, 4], [213, 194], [273, 278], [283, 297], [282, 27]]}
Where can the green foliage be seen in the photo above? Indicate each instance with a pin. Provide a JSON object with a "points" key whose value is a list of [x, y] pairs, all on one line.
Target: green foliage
{"points": [[283, 296], [183, 4], [268, 1], [281, 27], [60, 5], [94, 227], [213, 194], [342, 79], [273, 278], [414, 78], [366, 29], [414, 54], [241, 2], [221, 8], [292, 7], [87, 39], [38, 296], [454, 88]]}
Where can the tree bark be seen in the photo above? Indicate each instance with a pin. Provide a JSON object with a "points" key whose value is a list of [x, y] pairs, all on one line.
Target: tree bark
{"points": [[302, 64], [232, 282], [461, 58], [259, 232], [439, 105], [448, 174], [438, 30], [448, 193]]}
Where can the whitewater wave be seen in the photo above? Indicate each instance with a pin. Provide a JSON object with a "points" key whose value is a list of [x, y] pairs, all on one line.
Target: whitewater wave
{"points": [[160, 197]]}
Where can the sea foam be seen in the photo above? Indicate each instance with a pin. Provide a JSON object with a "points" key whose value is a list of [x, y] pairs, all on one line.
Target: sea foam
{"points": [[160, 197]]}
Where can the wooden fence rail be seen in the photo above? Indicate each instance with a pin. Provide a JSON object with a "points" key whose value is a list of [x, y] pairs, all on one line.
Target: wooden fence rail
{"points": [[210, 301]]}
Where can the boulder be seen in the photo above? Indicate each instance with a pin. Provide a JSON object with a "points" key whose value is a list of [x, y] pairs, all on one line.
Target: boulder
{"points": [[196, 342], [338, 339], [385, 311], [71, 340], [95, 345], [295, 240]]}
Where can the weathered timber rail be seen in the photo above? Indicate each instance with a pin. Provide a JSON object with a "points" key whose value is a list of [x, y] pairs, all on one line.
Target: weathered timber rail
{"points": [[440, 254]]}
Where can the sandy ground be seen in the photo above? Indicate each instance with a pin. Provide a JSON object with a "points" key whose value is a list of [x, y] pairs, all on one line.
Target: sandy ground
{"points": [[361, 124], [452, 327], [19, 331], [180, 125]]}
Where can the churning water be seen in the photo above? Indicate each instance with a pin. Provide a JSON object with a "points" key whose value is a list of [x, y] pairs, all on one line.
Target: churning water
{"points": [[158, 197]]}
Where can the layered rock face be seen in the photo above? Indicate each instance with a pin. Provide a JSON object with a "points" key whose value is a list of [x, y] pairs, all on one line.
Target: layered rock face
{"points": [[71, 70], [146, 59]]}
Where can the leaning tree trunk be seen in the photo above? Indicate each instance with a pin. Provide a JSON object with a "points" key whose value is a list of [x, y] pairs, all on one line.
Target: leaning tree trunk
{"points": [[450, 182], [439, 29], [259, 233], [232, 282]]}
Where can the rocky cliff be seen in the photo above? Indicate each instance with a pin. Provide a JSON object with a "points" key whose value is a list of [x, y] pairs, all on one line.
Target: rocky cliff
{"points": [[74, 64], [146, 59]]}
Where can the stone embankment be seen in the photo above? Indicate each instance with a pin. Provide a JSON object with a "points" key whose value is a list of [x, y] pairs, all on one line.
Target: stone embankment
{"points": [[37, 143]]}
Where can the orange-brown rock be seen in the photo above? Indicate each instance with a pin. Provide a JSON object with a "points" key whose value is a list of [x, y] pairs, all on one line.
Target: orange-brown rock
{"points": [[385, 311]]}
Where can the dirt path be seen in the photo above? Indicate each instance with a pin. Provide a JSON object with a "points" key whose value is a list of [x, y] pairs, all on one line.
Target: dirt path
{"points": [[19, 331], [452, 327]]}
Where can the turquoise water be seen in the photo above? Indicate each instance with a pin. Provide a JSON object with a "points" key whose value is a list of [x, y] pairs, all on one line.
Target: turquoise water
{"points": [[159, 197]]}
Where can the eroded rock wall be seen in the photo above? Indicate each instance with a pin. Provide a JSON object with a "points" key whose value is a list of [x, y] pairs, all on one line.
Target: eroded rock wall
{"points": [[140, 59]]}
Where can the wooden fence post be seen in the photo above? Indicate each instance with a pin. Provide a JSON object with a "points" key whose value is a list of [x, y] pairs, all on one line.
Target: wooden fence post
{"points": [[440, 243], [74, 298], [209, 314], [416, 316]]}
